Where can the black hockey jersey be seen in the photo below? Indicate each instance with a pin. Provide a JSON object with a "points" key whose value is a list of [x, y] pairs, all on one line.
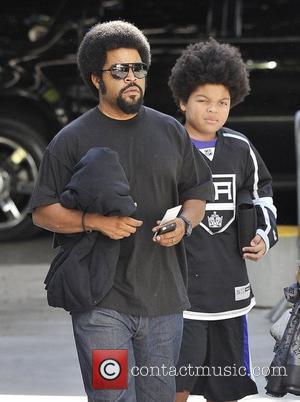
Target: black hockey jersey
{"points": [[219, 286]]}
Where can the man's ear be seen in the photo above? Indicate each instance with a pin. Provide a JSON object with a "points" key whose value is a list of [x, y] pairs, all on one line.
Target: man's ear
{"points": [[182, 106], [95, 81]]}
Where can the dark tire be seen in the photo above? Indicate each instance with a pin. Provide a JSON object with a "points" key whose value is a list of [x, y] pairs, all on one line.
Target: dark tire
{"points": [[21, 151]]}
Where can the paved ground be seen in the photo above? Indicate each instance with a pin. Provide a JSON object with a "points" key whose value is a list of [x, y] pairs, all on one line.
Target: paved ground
{"points": [[37, 350]]}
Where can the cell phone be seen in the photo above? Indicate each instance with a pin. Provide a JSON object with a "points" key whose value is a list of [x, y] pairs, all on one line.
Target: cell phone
{"points": [[165, 229]]}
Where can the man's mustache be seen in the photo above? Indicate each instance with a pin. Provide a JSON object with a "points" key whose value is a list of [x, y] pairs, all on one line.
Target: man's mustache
{"points": [[130, 86]]}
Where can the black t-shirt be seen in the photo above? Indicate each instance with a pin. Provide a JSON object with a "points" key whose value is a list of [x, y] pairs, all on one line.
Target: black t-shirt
{"points": [[163, 170]]}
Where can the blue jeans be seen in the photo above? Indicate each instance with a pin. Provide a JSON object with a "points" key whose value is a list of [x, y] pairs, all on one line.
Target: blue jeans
{"points": [[150, 341]]}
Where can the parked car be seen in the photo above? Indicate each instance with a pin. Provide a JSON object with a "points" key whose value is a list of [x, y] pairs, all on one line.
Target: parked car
{"points": [[41, 90]]}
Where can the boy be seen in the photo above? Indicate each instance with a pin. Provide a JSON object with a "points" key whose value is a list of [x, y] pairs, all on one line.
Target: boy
{"points": [[206, 81]]}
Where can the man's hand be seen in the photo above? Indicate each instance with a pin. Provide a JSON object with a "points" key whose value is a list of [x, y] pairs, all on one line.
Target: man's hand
{"points": [[115, 227], [171, 238], [58, 219], [256, 250]]}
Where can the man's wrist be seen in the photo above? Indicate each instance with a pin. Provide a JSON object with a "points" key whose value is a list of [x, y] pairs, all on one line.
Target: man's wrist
{"points": [[95, 222], [187, 224], [84, 224]]}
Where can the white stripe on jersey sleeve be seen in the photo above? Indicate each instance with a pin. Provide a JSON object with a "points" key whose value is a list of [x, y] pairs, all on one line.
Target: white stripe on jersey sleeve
{"points": [[252, 154], [264, 237], [266, 202], [263, 202]]}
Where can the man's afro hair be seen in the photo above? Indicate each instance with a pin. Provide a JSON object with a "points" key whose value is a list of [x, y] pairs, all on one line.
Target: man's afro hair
{"points": [[105, 36], [209, 62]]}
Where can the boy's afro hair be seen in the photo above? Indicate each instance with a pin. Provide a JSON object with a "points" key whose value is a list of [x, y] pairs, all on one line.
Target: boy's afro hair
{"points": [[105, 36], [209, 63]]}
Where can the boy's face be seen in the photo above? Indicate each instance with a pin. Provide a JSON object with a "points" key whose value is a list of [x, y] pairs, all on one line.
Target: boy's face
{"points": [[206, 110]]}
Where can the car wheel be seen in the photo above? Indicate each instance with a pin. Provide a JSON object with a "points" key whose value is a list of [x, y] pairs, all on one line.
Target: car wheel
{"points": [[21, 150]]}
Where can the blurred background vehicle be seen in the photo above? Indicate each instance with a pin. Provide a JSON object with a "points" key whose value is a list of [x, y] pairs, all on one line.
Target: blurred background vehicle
{"points": [[41, 90]]}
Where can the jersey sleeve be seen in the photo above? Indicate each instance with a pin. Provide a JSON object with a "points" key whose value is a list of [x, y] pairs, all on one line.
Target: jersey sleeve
{"points": [[259, 183], [195, 179]]}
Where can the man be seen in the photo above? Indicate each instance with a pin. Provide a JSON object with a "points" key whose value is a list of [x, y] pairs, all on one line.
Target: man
{"points": [[142, 312], [207, 80]]}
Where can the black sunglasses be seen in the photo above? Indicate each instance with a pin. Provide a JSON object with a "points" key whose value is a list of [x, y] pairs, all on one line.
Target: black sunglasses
{"points": [[121, 70]]}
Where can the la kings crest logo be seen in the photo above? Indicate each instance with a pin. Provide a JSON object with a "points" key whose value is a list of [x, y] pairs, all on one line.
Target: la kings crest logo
{"points": [[215, 221], [221, 213]]}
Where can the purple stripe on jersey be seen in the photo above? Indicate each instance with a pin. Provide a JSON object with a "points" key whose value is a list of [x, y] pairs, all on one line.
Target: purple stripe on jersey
{"points": [[204, 144], [246, 346]]}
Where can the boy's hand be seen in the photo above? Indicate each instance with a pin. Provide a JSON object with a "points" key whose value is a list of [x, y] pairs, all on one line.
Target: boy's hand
{"points": [[171, 238], [256, 250]]}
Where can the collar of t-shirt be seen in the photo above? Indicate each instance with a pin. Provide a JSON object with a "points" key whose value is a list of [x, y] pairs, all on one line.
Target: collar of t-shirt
{"points": [[206, 147]]}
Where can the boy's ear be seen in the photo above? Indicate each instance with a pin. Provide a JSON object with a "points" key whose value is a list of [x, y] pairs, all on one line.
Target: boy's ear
{"points": [[182, 106]]}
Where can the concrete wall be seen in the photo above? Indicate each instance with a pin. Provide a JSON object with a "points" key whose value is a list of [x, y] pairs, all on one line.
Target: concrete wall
{"points": [[276, 270]]}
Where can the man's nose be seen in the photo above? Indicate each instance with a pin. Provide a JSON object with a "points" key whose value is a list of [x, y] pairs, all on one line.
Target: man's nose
{"points": [[130, 76]]}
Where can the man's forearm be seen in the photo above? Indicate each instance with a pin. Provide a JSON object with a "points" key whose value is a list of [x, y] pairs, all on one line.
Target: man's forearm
{"points": [[58, 219], [194, 211]]}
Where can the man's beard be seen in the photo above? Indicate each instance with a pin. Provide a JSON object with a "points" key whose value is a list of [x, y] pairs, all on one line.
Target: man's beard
{"points": [[132, 106]]}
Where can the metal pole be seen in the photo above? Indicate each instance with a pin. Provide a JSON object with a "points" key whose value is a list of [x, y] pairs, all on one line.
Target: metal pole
{"points": [[297, 140]]}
